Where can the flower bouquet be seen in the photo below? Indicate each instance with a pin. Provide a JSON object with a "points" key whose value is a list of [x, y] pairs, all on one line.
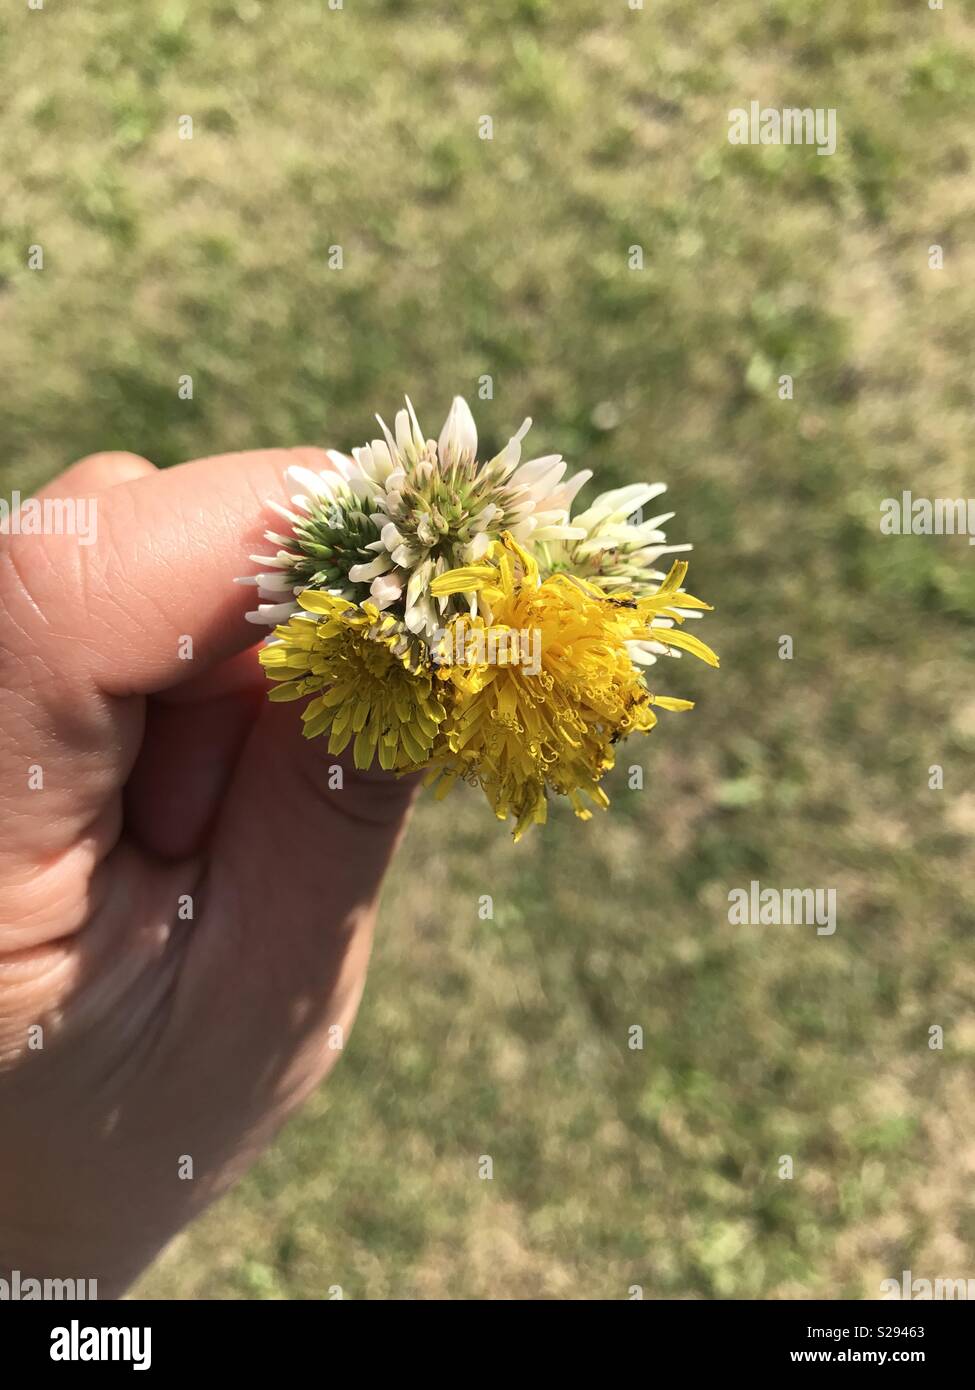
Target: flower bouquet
{"points": [[445, 615]]}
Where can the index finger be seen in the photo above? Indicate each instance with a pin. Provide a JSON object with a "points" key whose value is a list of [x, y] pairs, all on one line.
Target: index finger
{"points": [[147, 604]]}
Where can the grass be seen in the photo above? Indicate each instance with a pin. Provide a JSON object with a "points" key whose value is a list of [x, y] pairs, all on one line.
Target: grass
{"points": [[507, 258]]}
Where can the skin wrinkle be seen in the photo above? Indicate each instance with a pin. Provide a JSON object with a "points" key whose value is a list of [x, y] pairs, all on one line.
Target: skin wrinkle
{"points": [[8, 556], [149, 1037], [116, 624], [76, 866], [94, 771]]}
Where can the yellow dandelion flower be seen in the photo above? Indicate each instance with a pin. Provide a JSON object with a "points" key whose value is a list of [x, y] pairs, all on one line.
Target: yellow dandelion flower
{"points": [[367, 681], [518, 727]]}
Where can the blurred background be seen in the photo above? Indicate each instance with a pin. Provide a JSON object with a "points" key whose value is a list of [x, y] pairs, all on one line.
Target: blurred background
{"points": [[509, 258]]}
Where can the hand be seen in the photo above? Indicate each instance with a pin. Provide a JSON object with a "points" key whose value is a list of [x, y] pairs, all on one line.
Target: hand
{"points": [[186, 907]]}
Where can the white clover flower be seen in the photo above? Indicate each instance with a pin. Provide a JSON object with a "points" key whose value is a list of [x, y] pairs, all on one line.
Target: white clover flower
{"points": [[405, 509], [439, 509], [330, 529], [618, 551]]}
